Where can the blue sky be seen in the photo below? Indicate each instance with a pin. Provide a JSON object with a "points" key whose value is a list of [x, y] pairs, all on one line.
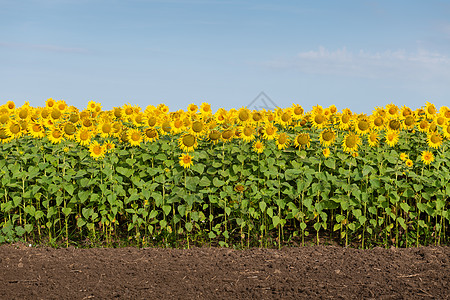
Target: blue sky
{"points": [[355, 54]]}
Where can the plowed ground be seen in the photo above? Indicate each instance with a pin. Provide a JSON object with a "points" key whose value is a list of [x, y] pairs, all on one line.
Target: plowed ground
{"points": [[321, 272]]}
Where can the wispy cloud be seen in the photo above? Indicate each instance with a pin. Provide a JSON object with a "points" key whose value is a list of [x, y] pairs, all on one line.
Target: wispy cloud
{"points": [[44, 47], [420, 65]]}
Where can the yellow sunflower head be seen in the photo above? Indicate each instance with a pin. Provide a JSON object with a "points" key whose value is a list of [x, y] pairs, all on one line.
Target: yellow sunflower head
{"points": [[327, 137], [258, 146], [188, 142], [96, 150], [186, 160], [282, 141], [427, 157], [135, 137], [434, 139], [351, 142]]}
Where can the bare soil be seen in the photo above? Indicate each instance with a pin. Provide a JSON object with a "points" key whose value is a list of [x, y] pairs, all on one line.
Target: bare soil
{"points": [[320, 272]]}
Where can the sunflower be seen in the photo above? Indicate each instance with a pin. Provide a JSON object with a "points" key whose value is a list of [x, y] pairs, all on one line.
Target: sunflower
{"points": [[50, 103], [117, 113], [248, 133], [74, 118], [257, 117], [409, 122], [55, 113], [269, 132], [36, 130], [409, 163], [205, 109], [214, 136], [69, 130], [55, 135], [192, 109], [164, 109], [13, 129], [151, 121], [326, 152], [186, 160], [446, 131], [392, 110], [4, 118], [403, 156], [440, 120], [302, 140], [297, 112], [285, 117], [405, 111], [105, 128], [109, 146], [117, 129], [227, 135], [393, 124], [138, 119], [134, 137], [319, 120], [362, 125], [258, 146], [83, 136], [221, 115], [434, 139], [372, 139], [188, 142], [427, 157], [61, 105], [430, 110], [24, 112], [177, 126], [391, 137], [351, 142], [239, 188], [377, 123], [96, 150], [244, 115], [424, 125], [345, 121], [151, 134], [127, 112], [198, 128], [4, 137], [327, 137], [282, 141]]}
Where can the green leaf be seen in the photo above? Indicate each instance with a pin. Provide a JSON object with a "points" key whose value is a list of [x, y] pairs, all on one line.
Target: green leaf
{"points": [[330, 163], [69, 188], [275, 221], [191, 183], [188, 226], [28, 228], [199, 168], [302, 225], [262, 206], [66, 211], [366, 170], [405, 206], [167, 209], [81, 222], [205, 182], [217, 182]]}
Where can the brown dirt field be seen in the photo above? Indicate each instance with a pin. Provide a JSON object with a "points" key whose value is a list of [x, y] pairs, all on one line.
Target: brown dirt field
{"points": [[320, 272]]}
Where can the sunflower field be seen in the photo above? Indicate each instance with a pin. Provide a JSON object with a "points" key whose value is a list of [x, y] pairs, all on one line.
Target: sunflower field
{"points": [[238, 178]]}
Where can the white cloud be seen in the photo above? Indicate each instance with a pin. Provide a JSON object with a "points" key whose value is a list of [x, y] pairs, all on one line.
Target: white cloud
{"points": [[420, 65]]}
